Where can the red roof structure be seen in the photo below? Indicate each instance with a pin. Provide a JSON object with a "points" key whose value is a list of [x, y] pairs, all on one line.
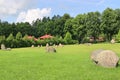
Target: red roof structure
{"points": [[31, 37], [46, 36]]}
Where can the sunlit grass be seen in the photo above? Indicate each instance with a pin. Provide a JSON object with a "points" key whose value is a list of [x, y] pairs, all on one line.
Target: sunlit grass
{"points": [[71, 62]]}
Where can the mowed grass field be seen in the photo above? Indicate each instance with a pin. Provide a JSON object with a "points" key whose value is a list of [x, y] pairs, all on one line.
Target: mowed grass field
{"points": [[71, 62]]}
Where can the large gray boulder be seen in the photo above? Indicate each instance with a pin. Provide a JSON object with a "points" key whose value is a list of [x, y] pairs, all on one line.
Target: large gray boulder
{"points": [[105, 58]]}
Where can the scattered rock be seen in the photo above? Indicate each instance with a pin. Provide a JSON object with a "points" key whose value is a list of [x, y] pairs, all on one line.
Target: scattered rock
{"points": [[38, 46], [32, 46], [50, 50], [112, 41], [8, 49], [47, 45], [3, 47], [105, 58], [60, 45], [41, 46], [88, 44]]}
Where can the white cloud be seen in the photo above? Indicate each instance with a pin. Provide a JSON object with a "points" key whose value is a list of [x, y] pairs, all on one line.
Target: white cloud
{"points": [[33, 14], [11, 7]]}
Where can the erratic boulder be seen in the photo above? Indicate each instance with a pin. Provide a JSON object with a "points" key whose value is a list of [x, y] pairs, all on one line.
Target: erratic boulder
{"points": [[105, 58]]}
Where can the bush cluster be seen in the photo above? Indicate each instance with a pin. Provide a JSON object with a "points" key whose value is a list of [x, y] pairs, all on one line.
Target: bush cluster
{"points": [[19, 41]]}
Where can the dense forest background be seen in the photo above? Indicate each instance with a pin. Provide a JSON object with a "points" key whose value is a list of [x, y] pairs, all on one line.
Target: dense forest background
{"points": [[65, 29]]}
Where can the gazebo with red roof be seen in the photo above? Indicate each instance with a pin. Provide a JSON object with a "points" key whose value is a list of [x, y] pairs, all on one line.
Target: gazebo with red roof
{"points": [[46, 36]]}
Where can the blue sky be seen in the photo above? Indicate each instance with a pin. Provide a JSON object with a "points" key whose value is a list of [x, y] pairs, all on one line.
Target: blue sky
{"points": [[29, 10]]}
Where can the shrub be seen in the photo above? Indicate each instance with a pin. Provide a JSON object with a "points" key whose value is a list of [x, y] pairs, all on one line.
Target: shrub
{"points": [[68, 38], [2, 39], [18, 36], [118, 37]]}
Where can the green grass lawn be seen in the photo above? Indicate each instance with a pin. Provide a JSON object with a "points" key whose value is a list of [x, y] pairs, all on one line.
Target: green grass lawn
{"points": [[69, 63]]}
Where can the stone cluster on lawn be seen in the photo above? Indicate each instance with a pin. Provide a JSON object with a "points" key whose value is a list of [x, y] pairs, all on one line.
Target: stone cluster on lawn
{"points": [[4, 48]]}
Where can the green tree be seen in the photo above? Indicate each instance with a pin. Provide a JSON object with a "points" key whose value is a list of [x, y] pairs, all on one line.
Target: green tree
{"points": [[19, 36], [59, 24], [10, 40], [93, 24], [68, 26], [55, 17], [118, 37], [118, 17], [25, 37], [49, 27], [5, 28], [24, 28], [66, 17], [109, 23], [26, 41], [10, 37], [79, 27], [2, 39], [68, 38]]}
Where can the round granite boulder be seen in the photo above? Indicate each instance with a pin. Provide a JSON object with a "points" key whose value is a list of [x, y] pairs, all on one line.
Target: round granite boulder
{"points": [[107, 58]]}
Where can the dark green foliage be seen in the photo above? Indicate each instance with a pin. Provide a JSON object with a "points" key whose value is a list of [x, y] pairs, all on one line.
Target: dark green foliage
{"points": [[93, 25], [81, 28], [110, 24], [2, 39], [118, 37], [10, 41], [10, 37], [68, 26]]}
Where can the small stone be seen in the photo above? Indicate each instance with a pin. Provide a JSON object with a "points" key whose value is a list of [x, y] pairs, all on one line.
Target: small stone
{"points": [[3, 47], [50, 50]]}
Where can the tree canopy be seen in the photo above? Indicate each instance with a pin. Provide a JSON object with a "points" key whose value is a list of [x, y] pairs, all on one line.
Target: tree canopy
{"points": [[80, 27]]}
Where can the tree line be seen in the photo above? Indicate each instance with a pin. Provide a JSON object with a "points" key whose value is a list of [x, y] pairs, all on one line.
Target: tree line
{"points": [[80, 28]]}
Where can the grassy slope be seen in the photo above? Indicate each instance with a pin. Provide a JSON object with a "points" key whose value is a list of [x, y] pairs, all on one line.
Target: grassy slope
{"points": [[69, 63]]}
